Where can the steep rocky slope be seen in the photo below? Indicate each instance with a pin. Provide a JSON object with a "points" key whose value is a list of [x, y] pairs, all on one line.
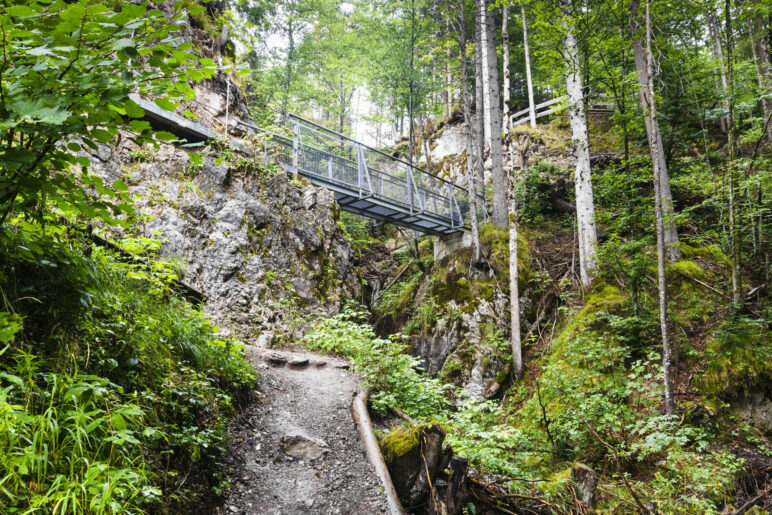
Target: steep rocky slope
{"points": [[262, 247]]}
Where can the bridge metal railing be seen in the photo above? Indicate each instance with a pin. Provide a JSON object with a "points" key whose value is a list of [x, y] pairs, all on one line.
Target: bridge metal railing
{"points": [[339, 161]]}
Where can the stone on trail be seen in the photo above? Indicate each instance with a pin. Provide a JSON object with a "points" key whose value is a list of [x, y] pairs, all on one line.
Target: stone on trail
{"points": [[298, 362], [302, 448]]}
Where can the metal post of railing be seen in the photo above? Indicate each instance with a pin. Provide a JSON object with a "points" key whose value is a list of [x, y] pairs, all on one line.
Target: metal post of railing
{"points": [[408, 174], [296, 146], [450, 206], [329, 167], [359, 170], [458, 209]]}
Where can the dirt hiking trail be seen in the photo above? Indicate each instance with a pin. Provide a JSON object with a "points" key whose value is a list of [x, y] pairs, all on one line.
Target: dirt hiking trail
{"points": [[296, 450]]}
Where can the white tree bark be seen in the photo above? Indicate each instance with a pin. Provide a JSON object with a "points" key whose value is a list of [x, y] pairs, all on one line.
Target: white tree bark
{"points": [[514, 293], [659, 163], [492, 96], [761, 60], [473, 162], [718, 57], [531, 108], [585, 207], [505, 67], [479, 118], [667, 352]]}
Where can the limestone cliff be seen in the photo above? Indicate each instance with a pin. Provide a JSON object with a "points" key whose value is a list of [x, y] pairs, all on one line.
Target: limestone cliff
{"points": [[263, 248]]}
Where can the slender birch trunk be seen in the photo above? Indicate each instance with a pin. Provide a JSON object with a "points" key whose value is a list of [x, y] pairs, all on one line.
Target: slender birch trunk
{"points": [[581, 150], [514, 293], [505, 63], [761, 62], [718, 57], [479, 119], [667, 351], [531, 108], [732, 144], [493, 115], [472, 157], [659, 163]]}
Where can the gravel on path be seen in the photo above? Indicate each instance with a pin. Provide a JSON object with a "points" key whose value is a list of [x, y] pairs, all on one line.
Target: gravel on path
{"points": [[296, 449]]}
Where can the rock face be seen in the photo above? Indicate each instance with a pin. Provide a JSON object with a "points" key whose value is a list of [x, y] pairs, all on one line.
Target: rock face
{"points": [[467, 343], [263, 248], [754, 407], [462, 350]]}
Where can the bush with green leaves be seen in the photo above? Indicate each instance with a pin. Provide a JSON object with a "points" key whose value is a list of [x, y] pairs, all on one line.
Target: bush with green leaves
{"points": [[388, 370], [114, 392], [67, 70]]}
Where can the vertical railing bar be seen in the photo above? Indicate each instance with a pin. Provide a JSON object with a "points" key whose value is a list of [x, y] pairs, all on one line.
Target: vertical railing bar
{"points": [[295, 145], [408, 175], [365, 169], [359, 173], [418, 193]]}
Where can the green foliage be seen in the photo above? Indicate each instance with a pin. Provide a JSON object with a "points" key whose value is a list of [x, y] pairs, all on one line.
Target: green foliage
{"points": [[71, 444], [478, 432], [388, 370], [735, 356], [110, 376], [533, 191], [397, 300], [356, 229], [67, 71]]}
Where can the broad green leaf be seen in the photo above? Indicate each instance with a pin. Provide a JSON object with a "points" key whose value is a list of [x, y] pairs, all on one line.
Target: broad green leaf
{"points": [[165, 104], [133, 110], [10, 324], [165, 136], [20, 10], [196, 159], [101, 135]]}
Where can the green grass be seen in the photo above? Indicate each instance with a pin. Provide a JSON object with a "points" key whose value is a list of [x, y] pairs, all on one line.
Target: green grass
{"points": [[114, 392]]}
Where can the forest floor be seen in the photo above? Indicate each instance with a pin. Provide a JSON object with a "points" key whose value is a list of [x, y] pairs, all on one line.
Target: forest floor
{"points": [[295, 448]]}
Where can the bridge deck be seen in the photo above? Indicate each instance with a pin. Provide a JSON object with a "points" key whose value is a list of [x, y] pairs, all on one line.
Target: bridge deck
{"points": [[371, 183], [366, 181]]}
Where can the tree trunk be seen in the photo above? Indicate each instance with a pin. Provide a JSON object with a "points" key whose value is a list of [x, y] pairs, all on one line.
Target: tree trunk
{"points": [[480, 125], [473, 162], [505, 65], [761, 60], [514, 294], [658, 160], [425, 137], [734, 237], [667, 352], [718, 58], [531, 109], [581, 150], [288, 70], [493, 115]]}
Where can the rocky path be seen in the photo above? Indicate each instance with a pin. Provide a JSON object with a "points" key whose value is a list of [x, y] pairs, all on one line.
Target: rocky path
{"points": [[296, 450]]}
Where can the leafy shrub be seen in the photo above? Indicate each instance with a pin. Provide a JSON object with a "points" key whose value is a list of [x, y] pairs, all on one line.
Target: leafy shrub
{"points": [[390, 373], [356, 229], [107, 376]]}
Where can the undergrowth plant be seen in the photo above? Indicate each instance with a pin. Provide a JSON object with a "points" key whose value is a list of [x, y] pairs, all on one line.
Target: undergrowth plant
{"points": [[388, 370], [114, 392]]}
